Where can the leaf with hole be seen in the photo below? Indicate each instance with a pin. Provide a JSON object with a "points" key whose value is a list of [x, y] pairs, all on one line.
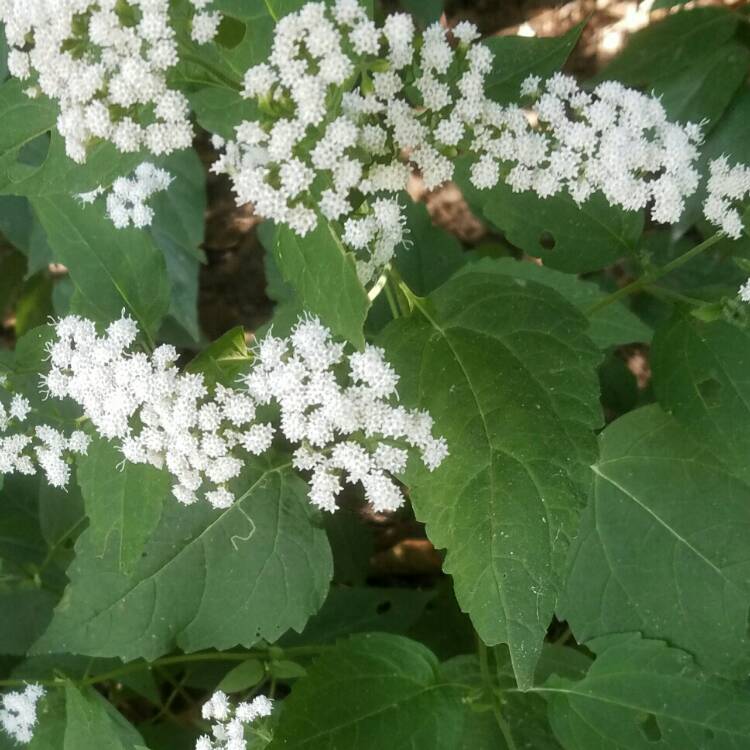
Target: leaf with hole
{"points": [[568, 237], [640, 694]]}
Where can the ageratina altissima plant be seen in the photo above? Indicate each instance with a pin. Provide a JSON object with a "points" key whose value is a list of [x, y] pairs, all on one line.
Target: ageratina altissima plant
{"points": [[105, 62], [18, 712], [228, 732], [350, 111], [340, 411], [127, 198]]}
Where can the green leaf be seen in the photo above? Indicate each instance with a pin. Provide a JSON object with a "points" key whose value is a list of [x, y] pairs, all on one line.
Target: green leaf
{"points": [[124, 505], [224, 359], [507, 372], [24, 616], [425, 11], [702, 377], [663, 545], [517, 57], [641, 694], [243, 677], [31, 576], [219, 110], [177, 230], [567, 236], [612, 325], [704, 90], [92, 723], [207, 578], [433, 254], [668, 46], [23, 231], [372, 691], [324, 277], [23, 118], [112, 269], [524, 714], [359, 609], [54, 173]]}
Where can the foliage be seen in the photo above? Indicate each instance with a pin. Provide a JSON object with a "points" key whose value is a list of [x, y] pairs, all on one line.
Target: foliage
{"points": [[593, 530]]}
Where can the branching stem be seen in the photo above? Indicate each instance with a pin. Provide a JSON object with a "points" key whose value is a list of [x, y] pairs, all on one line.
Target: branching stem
{"points": [[647, 279]]}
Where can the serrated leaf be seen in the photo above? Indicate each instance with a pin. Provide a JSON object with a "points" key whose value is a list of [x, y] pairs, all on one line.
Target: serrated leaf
{"points": [[663, 546], [207, 578], [517, 57], [702, 377], [112, 269], [670, 45], [509, 376], [568, 237], [368, 692], [612, 325], [324, 278], [641, 694], [123, 505]]}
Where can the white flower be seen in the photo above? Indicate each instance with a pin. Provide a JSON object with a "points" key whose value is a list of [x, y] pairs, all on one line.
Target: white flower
{"points": [[126, 204], [229, 730], [309, 161], [728, 187], [18, 713], [123, 69], [205, 26], [173, 421]]}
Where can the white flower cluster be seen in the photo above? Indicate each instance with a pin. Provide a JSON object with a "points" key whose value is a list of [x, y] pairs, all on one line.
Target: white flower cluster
{"points": [[169, 419], [614, 140], [18, 713], [43, 447], [105, 63], [229, 729], [342, 432], [727, 187], [351, 109], [205, 23], [126, 203]]}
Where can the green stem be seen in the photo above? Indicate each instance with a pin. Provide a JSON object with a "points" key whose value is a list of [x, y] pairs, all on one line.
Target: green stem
{"points": [[649, 278], [294, 651], [391, 301], [484, 668], [662, 292]]}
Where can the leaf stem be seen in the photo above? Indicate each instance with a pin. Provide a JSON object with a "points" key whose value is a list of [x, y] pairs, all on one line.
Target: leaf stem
{"points": [[391, 300], [648, 278], [484, 668]]}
